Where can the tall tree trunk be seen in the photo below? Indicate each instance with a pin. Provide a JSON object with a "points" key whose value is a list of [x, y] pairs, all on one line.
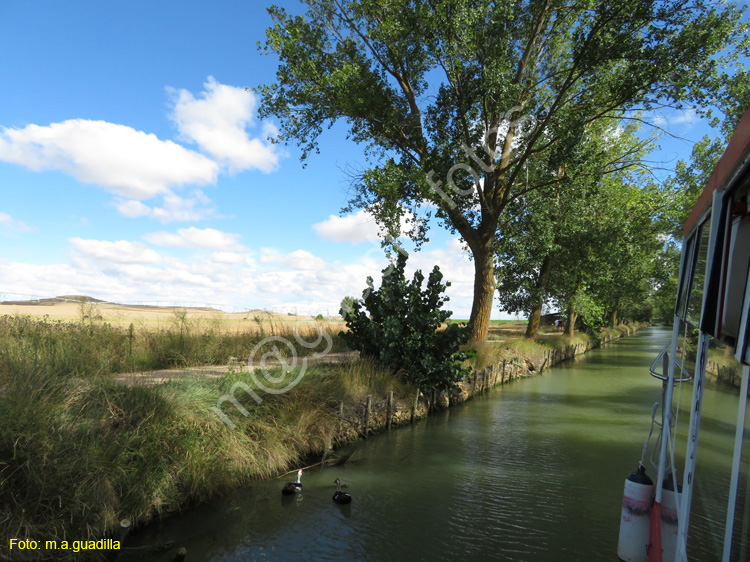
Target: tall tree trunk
{"points": [[484, 290], [539, 293], [613, 317], [571, 321]]}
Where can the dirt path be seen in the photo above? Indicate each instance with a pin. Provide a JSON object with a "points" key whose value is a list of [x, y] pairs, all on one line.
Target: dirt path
{"points": [[216, 371]]}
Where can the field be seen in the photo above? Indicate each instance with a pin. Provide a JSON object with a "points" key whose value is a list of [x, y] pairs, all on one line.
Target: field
{"points": [[78, 308]]}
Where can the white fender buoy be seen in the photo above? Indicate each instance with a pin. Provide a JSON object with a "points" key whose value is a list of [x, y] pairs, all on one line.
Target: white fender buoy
{"points": [[636, 516], [669, 518]]}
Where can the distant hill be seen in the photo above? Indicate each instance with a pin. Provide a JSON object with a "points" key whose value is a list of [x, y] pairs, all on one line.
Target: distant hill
{"points": [[53, 300]]}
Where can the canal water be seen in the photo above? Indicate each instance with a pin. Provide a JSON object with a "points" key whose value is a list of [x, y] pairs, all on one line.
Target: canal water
{"points": [[531, 472]]}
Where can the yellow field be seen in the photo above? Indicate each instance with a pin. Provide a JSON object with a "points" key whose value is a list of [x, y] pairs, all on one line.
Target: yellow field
{"points": [[155, 317]]}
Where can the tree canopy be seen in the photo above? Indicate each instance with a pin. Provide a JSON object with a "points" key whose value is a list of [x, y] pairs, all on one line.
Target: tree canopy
{"points": [[457, 101]]}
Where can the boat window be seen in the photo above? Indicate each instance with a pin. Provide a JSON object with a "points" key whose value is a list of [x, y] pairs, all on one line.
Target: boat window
{"points": [[736, 278], [714, 287], [695, 301], [686, 274]]}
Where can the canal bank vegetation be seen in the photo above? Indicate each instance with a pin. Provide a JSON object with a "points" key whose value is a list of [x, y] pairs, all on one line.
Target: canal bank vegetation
{"points": [[79, 452]]}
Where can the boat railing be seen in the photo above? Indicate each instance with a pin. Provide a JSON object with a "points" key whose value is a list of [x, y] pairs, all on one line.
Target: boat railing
{"points": [[663, 358]]}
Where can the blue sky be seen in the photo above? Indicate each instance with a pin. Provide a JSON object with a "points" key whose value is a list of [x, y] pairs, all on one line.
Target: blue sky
{"points": [[133, 166]]}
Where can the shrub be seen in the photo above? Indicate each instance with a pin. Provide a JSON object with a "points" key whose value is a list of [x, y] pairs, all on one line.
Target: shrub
{"points": [[402, 328]]}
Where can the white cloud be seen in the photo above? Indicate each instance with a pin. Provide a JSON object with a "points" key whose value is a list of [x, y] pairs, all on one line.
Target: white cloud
{"points": [[356, 228], [217, 122], [297, 260], [9, 225], [304, 260], [678, 117], [196, 238], [132, 208], [123, 161], [174, 208], [230, 258], [298, 281], [105, 253]]}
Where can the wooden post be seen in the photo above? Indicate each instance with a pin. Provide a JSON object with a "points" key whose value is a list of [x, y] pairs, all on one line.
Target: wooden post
{"points": [[368, 408], [389, 412], [502, 379], [474, 383], [121, 534], [414, 407], [341, 409]]}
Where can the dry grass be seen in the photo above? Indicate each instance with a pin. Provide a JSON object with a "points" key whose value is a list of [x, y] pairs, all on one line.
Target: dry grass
{"points": [[162, 317]]}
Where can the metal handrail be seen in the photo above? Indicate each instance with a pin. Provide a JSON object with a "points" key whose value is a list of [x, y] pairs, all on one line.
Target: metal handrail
{"points": [[677, 363]]}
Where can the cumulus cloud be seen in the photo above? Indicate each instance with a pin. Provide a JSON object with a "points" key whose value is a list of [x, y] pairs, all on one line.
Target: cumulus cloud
{"points": [[355, 228], [174, 208], [297, 260], [297, 281], [196, 238], [678, 117], [217, 121], [304, 260], [126, 162], [120, 252], [137, 166], [9, 225], [229, 258]]}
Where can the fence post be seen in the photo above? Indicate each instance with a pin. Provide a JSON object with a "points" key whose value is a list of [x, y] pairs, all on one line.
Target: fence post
{"points": [[389, 412], [368, 407]]}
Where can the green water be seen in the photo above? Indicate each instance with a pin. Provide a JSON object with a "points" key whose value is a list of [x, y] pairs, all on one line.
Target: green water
{"points": [[532, 471]]}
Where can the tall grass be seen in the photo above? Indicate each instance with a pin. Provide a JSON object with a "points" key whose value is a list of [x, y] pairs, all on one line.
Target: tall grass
{"points": [[79, 452], [78, 455], [89, 347]]}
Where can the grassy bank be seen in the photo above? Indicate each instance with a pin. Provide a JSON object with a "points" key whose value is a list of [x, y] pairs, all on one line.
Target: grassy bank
{"points": [[79, 452]]}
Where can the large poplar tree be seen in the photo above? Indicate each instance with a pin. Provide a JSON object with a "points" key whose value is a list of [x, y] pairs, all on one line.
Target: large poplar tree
{"points": [[454, 99]]}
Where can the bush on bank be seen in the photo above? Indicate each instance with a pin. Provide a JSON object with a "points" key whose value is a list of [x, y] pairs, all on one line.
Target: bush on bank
{"points": [[399, 326]]}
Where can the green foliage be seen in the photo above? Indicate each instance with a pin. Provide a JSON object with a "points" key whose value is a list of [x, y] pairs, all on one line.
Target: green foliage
{"points": [[665, 276], [590, 312], [459, 101], [586, 246], [403, 331]]}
